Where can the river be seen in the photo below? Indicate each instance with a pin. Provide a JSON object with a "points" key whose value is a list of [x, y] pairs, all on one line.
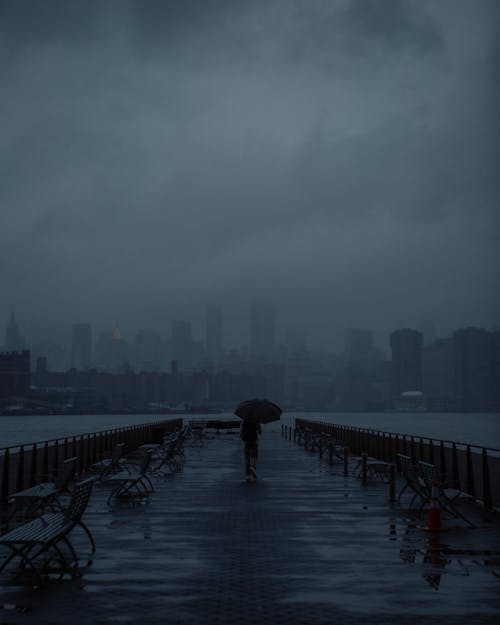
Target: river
{"points": [[478, 429]]}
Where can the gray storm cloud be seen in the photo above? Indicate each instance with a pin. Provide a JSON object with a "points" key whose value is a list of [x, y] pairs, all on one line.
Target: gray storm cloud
{"points": [[339, 158]]}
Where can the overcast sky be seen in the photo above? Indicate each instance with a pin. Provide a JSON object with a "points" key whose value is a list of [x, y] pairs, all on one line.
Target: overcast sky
{"points": [[339, 157]]}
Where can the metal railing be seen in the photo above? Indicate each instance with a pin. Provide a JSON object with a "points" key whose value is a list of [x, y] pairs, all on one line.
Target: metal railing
{"points": [[23, 466], [473, 469]]}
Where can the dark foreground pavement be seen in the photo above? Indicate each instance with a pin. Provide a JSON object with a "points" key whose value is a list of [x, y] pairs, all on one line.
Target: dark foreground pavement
{"points": [[304, 545]]}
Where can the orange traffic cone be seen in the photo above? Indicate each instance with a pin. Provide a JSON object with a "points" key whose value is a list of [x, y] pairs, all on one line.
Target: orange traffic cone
{"points": [[434, 517]]}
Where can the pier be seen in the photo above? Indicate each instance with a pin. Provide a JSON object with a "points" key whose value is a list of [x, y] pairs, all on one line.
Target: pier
{"points": [[307, 543]]}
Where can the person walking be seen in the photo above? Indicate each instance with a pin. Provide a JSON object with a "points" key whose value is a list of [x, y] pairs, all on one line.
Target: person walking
{"points": [[250, 430]]}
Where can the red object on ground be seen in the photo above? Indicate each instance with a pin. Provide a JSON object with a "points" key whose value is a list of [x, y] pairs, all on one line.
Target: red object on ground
{"points": [[434, 516]]}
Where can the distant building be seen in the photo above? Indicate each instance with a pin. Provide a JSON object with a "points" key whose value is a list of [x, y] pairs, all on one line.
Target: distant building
{"points": [[182, 344], [81, 346], [213, 338], [119, 355], [102, 350], [406, 375], [474, 365], [14, 374], [262, 331], [56, 355], [147, 351], [13, 339], [438, 375]]}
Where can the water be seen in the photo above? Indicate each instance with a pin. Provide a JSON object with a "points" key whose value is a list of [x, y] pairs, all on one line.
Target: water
{"points": [[477, 429], [481, 429], [28, 429]]}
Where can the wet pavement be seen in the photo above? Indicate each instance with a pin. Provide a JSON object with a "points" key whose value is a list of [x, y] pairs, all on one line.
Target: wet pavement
{"points": [[303, 545]]}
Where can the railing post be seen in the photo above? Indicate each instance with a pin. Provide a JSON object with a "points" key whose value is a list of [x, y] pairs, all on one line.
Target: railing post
{"points": [[346, 461], [487, 498], [392, 483], [45, 461], [431, 452], [471, 489], [20, 470], [87, 455], [55, 459], [442, 462], [364, 468], [5, 490], [33, 465], [456, 475], [81, 457]]}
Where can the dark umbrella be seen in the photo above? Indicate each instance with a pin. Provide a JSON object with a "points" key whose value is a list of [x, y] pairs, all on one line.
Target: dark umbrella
{"points": [[262, 410]]}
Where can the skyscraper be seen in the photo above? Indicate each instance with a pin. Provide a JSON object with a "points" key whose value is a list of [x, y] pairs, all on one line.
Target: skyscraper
{"points": [[213, 320], [81, 345], [474, 364], [13, 339], [262, 331], [406, 346]]}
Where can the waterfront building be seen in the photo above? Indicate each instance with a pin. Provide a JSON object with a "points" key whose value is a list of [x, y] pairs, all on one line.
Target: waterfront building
{"points": [[262, 331], [81, 346], [119, 355], [438, 375], [473, 368], [147, 353], [14, 374], [406, 347], [56, 355]]}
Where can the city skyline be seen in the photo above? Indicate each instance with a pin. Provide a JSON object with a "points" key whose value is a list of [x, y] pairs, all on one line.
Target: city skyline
{"points": [[282, 335]]}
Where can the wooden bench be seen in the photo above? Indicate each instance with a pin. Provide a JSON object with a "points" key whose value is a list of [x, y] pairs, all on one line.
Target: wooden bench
{"points": [[409, 471], [34, 500], [132, 483], [40, 542], [171, 452], [111, 465], [448, 497]]}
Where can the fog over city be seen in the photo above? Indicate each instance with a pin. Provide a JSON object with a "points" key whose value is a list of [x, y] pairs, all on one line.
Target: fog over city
{"points": [[339, 159]]}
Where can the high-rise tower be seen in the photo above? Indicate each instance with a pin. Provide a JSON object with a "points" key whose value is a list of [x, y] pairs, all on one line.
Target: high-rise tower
{"points": [[13, 339], [406, 348]]}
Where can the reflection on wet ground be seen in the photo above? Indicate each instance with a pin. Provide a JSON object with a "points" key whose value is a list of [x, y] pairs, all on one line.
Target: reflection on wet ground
{"points": [[303, 545]]}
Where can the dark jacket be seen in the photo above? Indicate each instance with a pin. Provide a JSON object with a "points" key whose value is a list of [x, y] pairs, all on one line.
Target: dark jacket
{"points": [[250, 430]]}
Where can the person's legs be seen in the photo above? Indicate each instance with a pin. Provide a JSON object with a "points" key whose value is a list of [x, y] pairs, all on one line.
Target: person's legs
{"points": [[248, 459], [254, 453]]}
